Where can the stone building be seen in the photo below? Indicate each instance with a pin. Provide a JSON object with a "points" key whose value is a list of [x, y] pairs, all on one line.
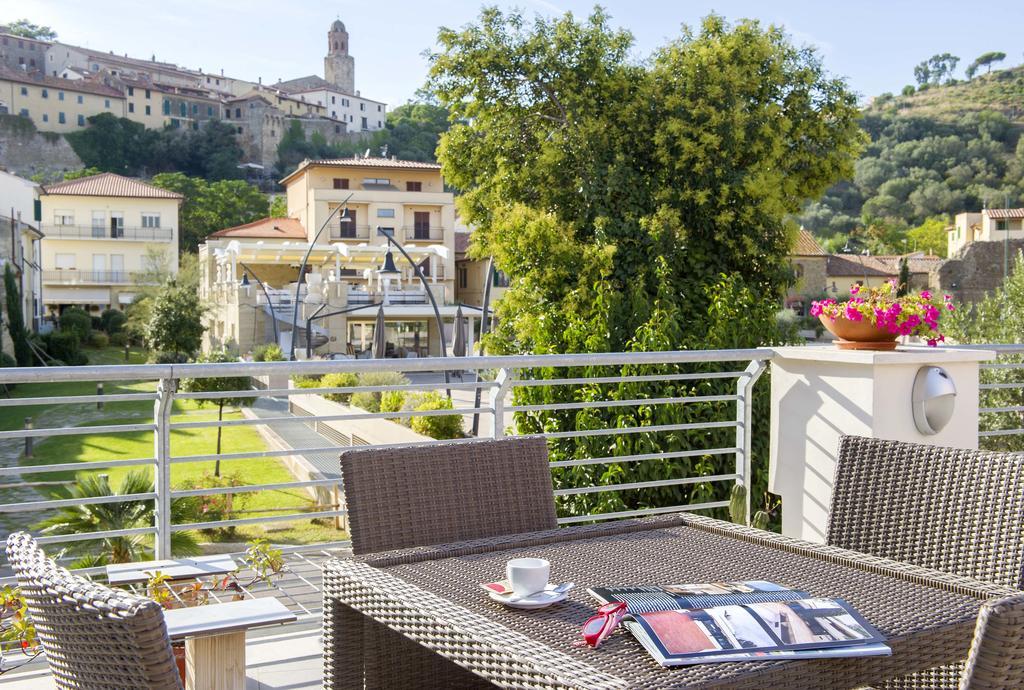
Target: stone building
{"points": [[808, 263], [977, 270], [259, 125]]}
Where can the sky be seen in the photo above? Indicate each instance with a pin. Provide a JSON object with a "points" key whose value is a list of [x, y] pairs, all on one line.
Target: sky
{"points": [[874, 45]]}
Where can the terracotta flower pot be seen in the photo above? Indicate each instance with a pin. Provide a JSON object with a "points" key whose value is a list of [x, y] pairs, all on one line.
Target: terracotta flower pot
{"points": [[179, 658], [858, 335]]}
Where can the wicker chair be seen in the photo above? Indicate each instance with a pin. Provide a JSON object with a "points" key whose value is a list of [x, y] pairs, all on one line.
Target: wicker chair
{"points": [[95, 638], [959, 511], [996, 660], [421, 495]]}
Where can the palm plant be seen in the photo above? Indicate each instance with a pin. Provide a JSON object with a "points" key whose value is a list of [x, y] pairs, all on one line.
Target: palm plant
{"points": [[96, 517]]}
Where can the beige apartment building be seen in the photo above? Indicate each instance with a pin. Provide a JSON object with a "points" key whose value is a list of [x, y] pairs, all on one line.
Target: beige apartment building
{"points": [[990, 225], [55, 104], [20, 245], [341, 213], [101, 232], [471, 275]]}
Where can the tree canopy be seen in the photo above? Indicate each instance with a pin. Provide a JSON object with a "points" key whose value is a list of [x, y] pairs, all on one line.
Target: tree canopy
{"points": [[212, 206], [23, 27], [175, 329]]}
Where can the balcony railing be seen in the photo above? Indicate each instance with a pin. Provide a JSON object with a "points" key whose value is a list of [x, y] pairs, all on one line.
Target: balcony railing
{"points": [[348, 231], [72, 276], [87, 232], [422, 233]]}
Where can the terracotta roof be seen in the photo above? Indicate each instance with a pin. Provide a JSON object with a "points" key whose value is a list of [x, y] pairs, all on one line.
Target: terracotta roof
{"points": [[857, 265], [266, 228], [462, 242], [381, 163], [1005, 212], [918, 263], [304, 84], [73, 85], [110, 184], [806, 245]]}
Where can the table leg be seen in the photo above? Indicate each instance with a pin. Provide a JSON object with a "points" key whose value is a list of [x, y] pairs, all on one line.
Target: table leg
{"points": [[216, 662]]}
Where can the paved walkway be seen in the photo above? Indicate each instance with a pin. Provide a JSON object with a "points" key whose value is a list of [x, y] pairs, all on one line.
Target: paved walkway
{"points": [[298, 435]]}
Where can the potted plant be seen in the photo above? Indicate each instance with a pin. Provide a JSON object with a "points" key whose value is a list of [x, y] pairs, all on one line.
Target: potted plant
{"points": [[873, 318]]}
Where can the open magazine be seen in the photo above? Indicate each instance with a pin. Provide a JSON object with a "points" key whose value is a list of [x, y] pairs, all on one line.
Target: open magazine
{"points": [[741, 621]]}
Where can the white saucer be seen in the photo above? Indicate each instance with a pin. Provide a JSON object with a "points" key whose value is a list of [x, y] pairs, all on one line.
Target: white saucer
{"points": [[540, 600]]}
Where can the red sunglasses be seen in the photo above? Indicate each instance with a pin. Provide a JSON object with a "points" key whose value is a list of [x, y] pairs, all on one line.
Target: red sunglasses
{"points": [[603, 623]]}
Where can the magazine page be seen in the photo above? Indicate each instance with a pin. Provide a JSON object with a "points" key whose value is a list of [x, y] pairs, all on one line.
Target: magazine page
{"points": [[694, 596], [813, 623]]}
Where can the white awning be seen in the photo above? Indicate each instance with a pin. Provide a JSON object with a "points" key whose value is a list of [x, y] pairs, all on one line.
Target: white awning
{"points": [[126, 297], [60, 295]]}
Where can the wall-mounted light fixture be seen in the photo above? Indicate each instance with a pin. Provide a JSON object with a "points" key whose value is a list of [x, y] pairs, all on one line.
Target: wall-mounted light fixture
{"points": [[933, 399]]}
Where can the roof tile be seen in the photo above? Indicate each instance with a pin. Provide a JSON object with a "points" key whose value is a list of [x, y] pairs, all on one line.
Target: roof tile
{"points": [[266, 228], [110, 184], [806, 245]]}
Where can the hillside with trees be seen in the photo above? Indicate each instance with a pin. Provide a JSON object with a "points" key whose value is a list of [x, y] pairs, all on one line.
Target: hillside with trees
{"points": [[943, 146]]}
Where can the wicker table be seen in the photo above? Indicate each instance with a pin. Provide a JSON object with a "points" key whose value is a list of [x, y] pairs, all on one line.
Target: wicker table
{"points": [[431, 596]]}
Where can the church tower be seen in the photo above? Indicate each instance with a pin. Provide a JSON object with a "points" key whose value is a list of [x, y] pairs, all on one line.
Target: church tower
{"points": [[339, 66]]}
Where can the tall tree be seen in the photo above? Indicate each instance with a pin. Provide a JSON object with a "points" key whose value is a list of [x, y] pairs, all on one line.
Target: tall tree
{"points": [[986, 60], [218, 384], [16, 320], [23, 27], [211, 206], [618, 194], [175, 328]]}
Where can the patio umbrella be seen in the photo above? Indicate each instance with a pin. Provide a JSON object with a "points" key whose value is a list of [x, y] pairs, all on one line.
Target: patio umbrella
{"points": [[459, 346], [380, 338]]}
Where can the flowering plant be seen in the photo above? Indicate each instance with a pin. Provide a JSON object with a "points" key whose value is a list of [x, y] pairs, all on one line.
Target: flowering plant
{"points": [[907, 315]]}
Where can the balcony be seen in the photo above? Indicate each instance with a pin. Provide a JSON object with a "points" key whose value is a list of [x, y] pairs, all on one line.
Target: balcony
{"points": [[694, 412], [422, 233], [347, 231], [73, 276], [86, 232]]}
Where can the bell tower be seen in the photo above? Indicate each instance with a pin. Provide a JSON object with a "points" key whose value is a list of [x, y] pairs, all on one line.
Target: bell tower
{"points": [[339, 66]]}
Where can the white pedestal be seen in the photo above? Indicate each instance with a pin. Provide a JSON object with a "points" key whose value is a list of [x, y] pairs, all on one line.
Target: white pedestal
{"points": [[821, 393]]}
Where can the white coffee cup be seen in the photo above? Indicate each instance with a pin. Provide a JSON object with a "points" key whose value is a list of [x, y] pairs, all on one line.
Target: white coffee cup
{"points": [[528, 575]]}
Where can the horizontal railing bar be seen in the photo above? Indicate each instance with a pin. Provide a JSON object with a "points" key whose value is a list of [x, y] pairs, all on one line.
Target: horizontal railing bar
{"points": [[1011, 408], [644, 456], [1001, 432], [1000, 386], [33, 506], [590, 404], [80, 399], [520, 383], [328, 418], [259, 454], [210, 491], [89, 536], [1001, 365], [600, 489], [284, 392], [46, 432], [74, 466], [640, 429], [641, 512], [126, 372], [255, 520]]}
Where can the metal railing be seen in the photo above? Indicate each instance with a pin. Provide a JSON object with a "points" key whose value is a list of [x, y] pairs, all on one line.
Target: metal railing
{"points": [[72, 275], [423, 234], [347, 231], [1001, 399], [88, 232], [689, 409]]}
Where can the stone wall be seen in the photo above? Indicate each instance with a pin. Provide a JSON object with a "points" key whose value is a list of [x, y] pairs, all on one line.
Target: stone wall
{"points": [[977, 271], [25, 151]]}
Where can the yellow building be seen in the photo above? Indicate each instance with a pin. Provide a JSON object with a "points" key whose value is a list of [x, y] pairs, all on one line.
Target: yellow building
{"points": [[101, 232], [990, 225], [250, 273], [471, 276], [55, 104]]}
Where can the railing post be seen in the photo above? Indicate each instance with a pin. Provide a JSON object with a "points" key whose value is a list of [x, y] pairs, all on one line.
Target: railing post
{"points": [[28, 439], [162, 453], [744, 417], [503, 381], [99, 391]]}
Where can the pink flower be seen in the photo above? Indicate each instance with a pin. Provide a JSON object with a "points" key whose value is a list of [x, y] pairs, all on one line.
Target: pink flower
{"points": [[854, 289], [925, 294], [932, 342], [816, 309], [851, 312]]}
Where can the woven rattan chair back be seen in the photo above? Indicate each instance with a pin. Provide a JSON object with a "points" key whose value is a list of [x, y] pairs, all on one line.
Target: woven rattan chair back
{"points": [[421, 495], [997, 653], [95, 638], [959, 511]]}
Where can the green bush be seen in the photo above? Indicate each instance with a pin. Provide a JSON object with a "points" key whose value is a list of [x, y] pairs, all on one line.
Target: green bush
{"points": [[112, 321], [76, 320], [339, 380], [268, 352], [371, 401], [392, 401], [440, 427], [99, 339], [169, 358], [306, 381], [65, 346], [215, 506], [119, 339], [7, 361]]}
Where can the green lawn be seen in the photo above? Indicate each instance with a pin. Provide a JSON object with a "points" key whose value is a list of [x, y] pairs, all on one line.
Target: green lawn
{"points": [[86, 448]]}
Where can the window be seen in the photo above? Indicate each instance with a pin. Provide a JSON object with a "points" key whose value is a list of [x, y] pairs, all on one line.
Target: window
{"points": [[238, 129], [116, 224], [63, 218], [81, 120], [147, 93], [379, 125], [106, 103], [414, 186], [421, 225], [378, 108], [46, 118], [167, 107], [341, 183], [365, 125], [347, 223], [273, 133], [151, 220], [238, 112], [183, 109], [337, 129], [60, 95], [46, 94], [195, 109], [24, 112], [131, 90], [24, 90], [385, 213], [390, 232], [362, 106], [500, 279], [61, 119], [209, 111], [332, 99], [79, 99], [376, 180], [131, 107], [463, 278], [64, 262], [149, 110], [1002, 225]]}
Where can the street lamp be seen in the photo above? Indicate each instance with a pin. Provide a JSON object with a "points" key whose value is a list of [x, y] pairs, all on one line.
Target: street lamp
{"points": [[345, 218], [389, 267]]}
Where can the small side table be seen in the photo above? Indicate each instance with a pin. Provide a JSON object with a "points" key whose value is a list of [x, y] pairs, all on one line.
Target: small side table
{"points": [[175, 569]]}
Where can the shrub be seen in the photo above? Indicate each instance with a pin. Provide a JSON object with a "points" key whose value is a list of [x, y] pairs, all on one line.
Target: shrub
{"points": [[306, 381], [119, 339], [340, 380], [77, 321], [65, 346], [7, 361], [371, 401], [169, 358], [215, 506], [440, 427], [269, 352], [392, 401], [99, 339], [112, 321]]}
